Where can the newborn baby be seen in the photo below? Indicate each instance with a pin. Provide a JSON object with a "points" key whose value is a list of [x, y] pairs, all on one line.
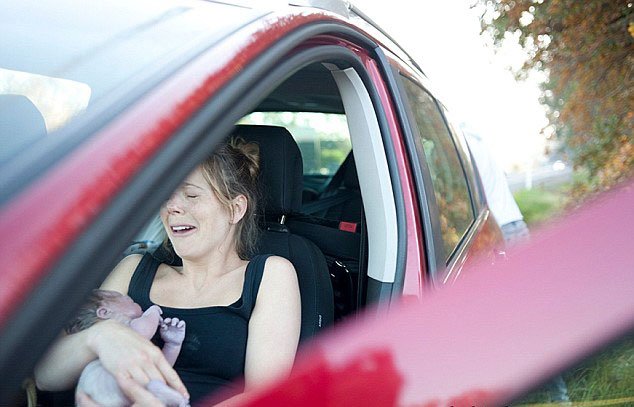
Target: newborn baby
{"points": [[95, 380]]}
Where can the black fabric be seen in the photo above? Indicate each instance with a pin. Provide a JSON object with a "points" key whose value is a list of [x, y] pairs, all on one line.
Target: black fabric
{"points": [[214, 349], [337, 180], [281, 168], [320, 222], [350, 177], [348, 211], [341, 250], [341, 200], [281, 180], [312, 274], [323, 204], [330, 240]]}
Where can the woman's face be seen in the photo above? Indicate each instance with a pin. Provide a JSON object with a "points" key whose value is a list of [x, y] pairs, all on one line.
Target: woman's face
{"points": [[195, 220]]}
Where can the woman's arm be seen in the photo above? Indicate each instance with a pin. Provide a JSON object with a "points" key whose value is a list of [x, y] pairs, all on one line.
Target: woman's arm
{"points": [[132, 359], [61, 366], [274, 329], [274, 326]]}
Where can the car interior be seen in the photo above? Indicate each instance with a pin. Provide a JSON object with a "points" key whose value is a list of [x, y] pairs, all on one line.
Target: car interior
{"points": [[315, 213], [333, 218]]}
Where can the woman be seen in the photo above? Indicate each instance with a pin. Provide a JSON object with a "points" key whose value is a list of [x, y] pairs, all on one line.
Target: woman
{"points": [[211, 224]]}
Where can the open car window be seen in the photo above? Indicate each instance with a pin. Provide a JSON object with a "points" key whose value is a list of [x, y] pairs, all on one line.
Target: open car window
{"points": [[323, 139]]}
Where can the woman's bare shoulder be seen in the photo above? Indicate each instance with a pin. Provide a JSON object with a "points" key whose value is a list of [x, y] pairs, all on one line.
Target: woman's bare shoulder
{"points": [[120, 276], [279, 274], [281, 264]]}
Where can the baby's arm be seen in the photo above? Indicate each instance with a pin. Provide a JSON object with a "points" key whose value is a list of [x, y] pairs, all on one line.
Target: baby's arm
{"points": [[173, 334], [146, 324]]}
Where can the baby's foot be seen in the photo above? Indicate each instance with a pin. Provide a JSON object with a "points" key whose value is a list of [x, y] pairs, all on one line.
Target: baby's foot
{"points": [[173, 331]]}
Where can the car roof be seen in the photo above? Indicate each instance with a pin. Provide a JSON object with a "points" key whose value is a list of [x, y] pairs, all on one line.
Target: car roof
{"points": [[105, 44]]}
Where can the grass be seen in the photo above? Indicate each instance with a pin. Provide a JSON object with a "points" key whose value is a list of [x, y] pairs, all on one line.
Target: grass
{"points": [[540, 204], [610, 374], [605, 380]]}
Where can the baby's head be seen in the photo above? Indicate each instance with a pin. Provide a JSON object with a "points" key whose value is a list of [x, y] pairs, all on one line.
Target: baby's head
{"points": [[102, 305]]}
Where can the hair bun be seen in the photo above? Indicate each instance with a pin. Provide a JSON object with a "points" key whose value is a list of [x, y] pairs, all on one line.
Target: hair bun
{"points": [[251, 152]]}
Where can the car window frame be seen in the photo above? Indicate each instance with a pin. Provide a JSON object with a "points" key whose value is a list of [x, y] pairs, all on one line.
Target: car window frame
{"points": [[440, 269], [59, 288]]}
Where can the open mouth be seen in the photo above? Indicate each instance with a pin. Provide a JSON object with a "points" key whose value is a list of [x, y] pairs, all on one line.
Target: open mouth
{"points": [[180, 230]]}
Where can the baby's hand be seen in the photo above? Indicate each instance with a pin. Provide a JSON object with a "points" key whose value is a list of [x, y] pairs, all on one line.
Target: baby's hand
{"points": [[173, 331], [154, 309]]}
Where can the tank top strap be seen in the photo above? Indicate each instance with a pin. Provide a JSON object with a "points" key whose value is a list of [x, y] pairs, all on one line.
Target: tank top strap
{"points": [[252, 279], [142, 279]]}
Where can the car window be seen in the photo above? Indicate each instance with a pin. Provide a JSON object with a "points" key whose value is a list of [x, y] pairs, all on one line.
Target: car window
{"points": [[53, 69], [435, 144], [323, 138], [465, 157], [32, 106]]}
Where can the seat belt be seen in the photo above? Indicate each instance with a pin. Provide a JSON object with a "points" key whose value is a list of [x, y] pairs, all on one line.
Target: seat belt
{"points": [[337, 179], [328, 202]]}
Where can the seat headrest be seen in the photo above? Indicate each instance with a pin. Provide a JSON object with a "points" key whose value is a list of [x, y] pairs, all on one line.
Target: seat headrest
{"points": [[281, 169]]}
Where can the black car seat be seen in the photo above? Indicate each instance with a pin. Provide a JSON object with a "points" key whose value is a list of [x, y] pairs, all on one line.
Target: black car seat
{"points": [[334, 221], [280, 183], [341, 199]]}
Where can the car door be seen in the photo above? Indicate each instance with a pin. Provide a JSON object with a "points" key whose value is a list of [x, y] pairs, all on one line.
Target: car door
{"points": [[76, 201], [456, 221]]}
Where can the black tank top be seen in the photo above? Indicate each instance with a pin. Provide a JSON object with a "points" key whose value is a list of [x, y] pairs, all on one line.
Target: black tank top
{"points": [[214, 349]]}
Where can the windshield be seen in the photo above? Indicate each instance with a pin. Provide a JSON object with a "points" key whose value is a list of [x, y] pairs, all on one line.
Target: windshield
{"points": [[61, 58]]}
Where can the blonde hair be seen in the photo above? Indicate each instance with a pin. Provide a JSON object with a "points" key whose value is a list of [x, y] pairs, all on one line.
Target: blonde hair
{"points": [[232, 170]]}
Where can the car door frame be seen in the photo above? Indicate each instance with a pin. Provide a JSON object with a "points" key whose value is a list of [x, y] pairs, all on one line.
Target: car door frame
{"points": [[61, 284]]}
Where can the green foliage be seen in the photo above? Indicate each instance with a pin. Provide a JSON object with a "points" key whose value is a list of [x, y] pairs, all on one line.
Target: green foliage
{"points": [[586, 48], [607, 376], [539, 205]]}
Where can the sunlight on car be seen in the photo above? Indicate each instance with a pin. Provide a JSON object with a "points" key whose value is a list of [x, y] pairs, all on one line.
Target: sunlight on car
{"points": [[58, 100]]}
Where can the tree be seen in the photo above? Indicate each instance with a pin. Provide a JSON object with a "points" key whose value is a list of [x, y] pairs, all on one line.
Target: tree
{"points": [[586, 48]]}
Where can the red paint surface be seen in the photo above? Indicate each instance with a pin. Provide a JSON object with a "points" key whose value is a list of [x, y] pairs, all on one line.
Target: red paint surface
{"points": [[51, 213], [550, 303], [490, 336], [488, 245], [415, 262]]}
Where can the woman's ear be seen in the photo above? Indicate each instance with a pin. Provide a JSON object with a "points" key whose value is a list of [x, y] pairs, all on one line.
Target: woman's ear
{"points": [[239, 206], [104, 312]]}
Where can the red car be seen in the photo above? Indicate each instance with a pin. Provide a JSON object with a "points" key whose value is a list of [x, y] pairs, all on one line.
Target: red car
{"points": [[105, 107]]}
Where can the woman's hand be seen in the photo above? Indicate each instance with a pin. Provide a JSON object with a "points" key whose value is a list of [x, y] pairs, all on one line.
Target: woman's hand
{"points": [[133, 360]]}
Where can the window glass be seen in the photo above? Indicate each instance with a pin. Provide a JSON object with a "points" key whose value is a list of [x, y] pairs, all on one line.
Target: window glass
{"points": [[323, 138], [52, 69], [465, 156], [450, 186], [31, 106]]}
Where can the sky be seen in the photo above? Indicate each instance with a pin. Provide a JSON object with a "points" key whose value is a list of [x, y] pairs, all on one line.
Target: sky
{"points": [[471, 79]]}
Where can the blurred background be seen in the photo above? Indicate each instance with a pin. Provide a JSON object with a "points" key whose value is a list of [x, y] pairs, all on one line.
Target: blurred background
{"points": [[547, 85]]}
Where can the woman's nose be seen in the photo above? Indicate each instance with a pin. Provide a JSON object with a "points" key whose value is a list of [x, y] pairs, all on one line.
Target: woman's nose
{"points": [[173, 205]]}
